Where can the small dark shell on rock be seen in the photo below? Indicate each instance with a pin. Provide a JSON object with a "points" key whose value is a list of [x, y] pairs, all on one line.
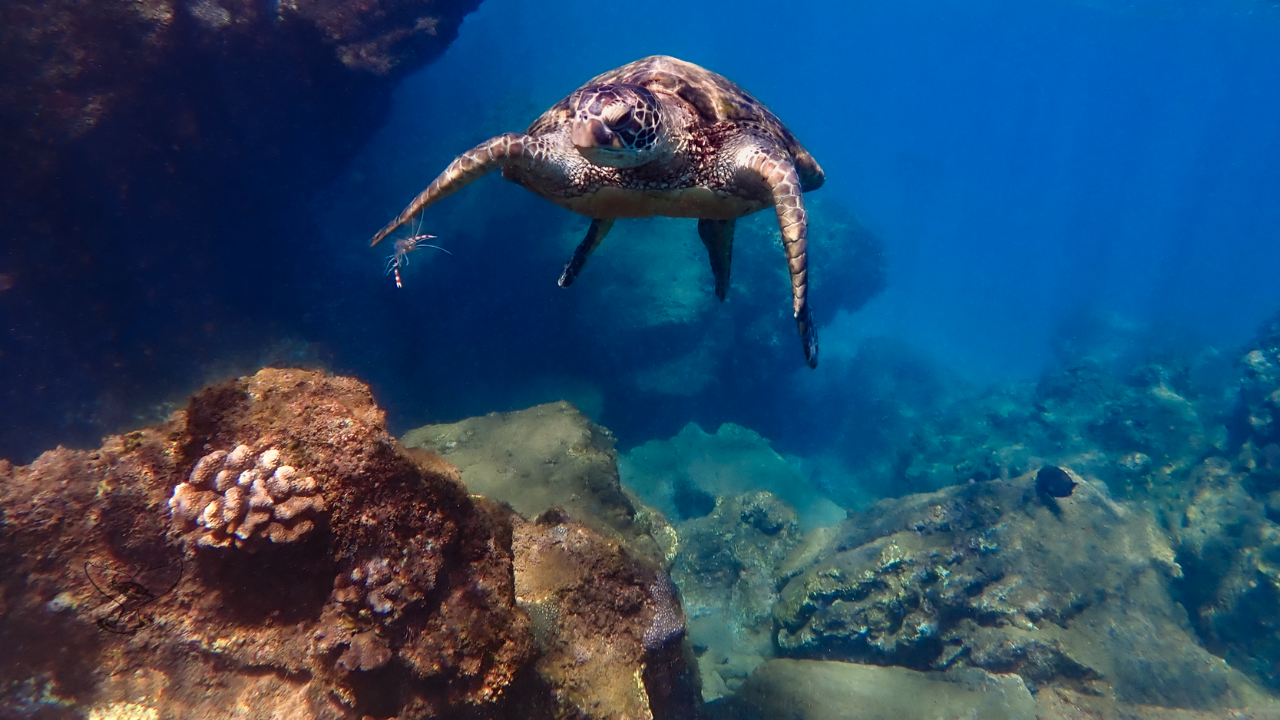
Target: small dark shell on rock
{"points": [[1053, 481]]}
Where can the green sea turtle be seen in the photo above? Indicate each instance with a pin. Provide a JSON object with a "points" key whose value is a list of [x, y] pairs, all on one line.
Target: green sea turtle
{"points": [[658, 136]]}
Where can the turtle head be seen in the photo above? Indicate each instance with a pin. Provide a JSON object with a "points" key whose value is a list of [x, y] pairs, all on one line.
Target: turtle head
{"points": [[617, 125]]}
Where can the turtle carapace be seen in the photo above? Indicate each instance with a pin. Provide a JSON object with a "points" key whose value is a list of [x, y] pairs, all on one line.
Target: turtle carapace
{"points": [[658, 136]]}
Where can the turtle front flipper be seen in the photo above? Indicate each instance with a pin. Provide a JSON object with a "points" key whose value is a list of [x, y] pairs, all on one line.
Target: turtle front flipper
{"points": [[497, 152], [599, 228], [770, 163], [717, 235]]}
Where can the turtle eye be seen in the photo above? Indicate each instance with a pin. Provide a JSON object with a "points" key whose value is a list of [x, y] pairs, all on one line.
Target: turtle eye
{"points": [[616, 115]]}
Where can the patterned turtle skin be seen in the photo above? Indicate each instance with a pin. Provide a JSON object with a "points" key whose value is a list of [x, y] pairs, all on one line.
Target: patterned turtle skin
{"points": [[658, 136]]}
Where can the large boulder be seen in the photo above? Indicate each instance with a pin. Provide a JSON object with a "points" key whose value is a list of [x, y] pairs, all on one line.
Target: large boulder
{"points": [[374, 586], [1071, 592], [727, 572], [609, 625], [816, 690], [545, 457], [683, 477]]}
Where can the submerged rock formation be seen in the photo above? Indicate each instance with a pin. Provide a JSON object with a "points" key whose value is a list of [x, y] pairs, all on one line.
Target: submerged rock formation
{"points": [[550, 457], [727, 571], [137, 576], [96, 556], [1140, 430], [986, 576], [683, 477], [608, 624], [814, 690]]}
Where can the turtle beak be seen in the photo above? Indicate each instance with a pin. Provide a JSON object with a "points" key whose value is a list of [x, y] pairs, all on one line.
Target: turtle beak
{"points": [[590, 134]]}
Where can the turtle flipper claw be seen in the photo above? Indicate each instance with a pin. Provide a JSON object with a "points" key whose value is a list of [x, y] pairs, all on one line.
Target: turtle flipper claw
{"points": [[808, 335], [599, 228]]}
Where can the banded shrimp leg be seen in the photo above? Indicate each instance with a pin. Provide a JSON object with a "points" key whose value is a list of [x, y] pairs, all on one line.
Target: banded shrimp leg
{"points": [[406, 245]]}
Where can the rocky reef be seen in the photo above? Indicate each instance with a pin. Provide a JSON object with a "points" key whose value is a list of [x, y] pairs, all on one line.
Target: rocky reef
{"points": [[550, 457], [1139, 426], [683, 477], [727, 573], [272, 547], [609, 625], [989, 576]]}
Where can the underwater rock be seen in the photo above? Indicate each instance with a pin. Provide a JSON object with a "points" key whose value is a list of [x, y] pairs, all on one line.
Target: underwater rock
{"points": [[549, 456], [727, 572], [1141, 435], [608, 623], [1230, 551], [399, 600], [683, 477], [983, 575], [1259, 408], [65, 57], [816, 690]]}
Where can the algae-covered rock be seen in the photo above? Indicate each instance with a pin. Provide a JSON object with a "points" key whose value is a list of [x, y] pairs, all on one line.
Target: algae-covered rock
{"points": [[1140, 432], [682, 477], [986, 575], [608, 624], [727, 573], [549, 456], [1231, 552], [1260, 386], [398, 599], [815, 690]]}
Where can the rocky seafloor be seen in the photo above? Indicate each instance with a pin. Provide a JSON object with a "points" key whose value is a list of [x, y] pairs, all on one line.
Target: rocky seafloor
{"points": [[272, 551]]}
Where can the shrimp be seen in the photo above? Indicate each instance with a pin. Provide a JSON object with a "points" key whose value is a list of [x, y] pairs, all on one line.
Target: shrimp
{"points": [[406, 245]]}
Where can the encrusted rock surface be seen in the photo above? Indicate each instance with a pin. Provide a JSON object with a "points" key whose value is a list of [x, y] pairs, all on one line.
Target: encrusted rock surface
{"points": [[1140, 429], [727, 571], [609, 624], [986, 576], [815, 690], [1230, 548], [549, 456], [1260, 386], [682, 477], [399, 600]]}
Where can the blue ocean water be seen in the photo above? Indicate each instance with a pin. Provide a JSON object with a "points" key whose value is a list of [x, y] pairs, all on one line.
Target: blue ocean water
{"points": [[1025, 165], [1049, 235]]}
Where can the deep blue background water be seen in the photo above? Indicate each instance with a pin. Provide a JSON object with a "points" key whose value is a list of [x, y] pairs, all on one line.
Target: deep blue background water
{"points": [[1041, 175], [1024, 163]]}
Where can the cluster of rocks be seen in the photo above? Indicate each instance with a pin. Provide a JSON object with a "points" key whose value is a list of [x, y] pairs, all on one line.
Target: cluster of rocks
{"points": [[1142, 430], [386, 589], [498, 566]]}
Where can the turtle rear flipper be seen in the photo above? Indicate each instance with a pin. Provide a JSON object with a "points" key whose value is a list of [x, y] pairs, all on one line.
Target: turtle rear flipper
{"points": [[496, 152], [766, 161], [717, 235], [599, 228]]}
